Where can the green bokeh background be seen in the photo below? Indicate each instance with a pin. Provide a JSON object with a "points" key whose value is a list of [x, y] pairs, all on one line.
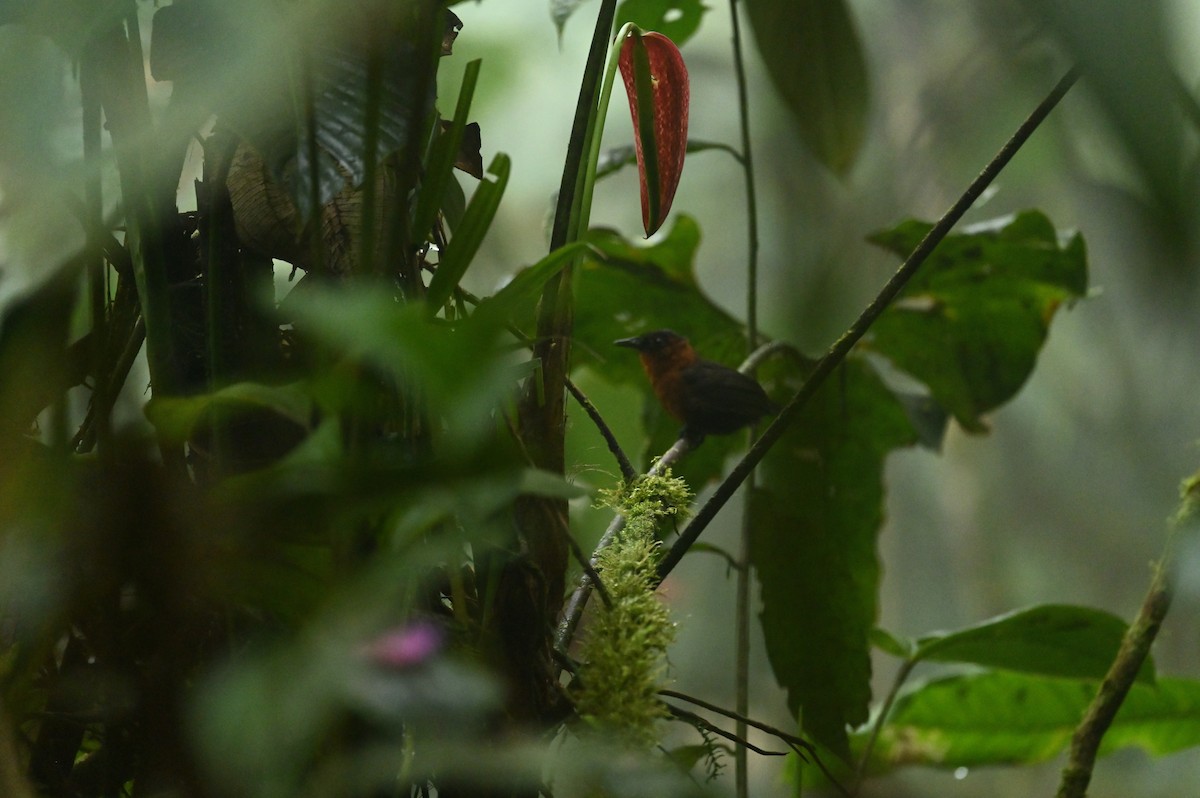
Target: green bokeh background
{"points": [[1064, 501]]}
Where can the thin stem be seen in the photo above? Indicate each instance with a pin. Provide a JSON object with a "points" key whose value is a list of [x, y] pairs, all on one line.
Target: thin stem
{"points": [[769, 349], [699, 722], [93, 220], [127, 113], [628, 472], [580, 222], [542, 409], [125, 330], [742, 653], [788, 738], [802, 747], [218, 283], [589, 569], [744, 575], [901, 677], [838, 351], [1135, 647], [747, 161]]}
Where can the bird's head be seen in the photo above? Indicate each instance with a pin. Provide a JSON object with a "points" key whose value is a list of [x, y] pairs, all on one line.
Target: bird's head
{"points": [[661, 346]]}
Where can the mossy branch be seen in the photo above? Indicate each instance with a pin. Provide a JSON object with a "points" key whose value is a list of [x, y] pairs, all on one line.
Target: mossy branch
{"points": [[624, 652], [1135, 647], [583, 590]]}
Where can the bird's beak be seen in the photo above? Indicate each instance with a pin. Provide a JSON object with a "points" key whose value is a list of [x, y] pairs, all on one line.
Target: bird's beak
{"points": [[632, 343]]}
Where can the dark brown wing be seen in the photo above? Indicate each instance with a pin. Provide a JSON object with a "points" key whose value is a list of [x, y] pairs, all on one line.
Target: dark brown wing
{"points": [[718, 400]]}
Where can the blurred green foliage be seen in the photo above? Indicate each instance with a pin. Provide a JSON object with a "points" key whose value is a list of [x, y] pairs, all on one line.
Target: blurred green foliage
{"points": [[318, 562]]}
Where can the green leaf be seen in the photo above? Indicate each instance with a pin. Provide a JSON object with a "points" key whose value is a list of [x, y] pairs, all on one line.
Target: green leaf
{"points": [[633, 288], [460, 372], [538, 482], [1049, 640], [815, 518], [526, 286], [469, 235], [454, 203], [815, 60], [678, 20], [177, 418], [440, 167], [995, 718], [972, 321], [884, 640]]}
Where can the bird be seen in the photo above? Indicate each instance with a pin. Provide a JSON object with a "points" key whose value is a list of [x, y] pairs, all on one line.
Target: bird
{"points": [[709, 398]]}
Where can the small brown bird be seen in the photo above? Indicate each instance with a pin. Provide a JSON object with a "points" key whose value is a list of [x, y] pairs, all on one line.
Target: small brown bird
{"points": [[710, 399]]}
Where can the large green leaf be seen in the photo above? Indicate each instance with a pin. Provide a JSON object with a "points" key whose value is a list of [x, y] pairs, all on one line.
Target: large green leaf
{"points": [[678, 20], [1050, 640], [815, 518], [459, 373], [813, 55], [522, 291], [178, 418], [994, 718], [970, 324], [635, 288]]}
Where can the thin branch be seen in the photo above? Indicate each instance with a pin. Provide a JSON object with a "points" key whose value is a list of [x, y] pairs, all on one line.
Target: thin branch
{"points": [[743, 579], [770, 349], [699, 722], [837, 353], [628, 472], [801, 747], [542, 409], [1135, 647], [565, 662], [86, 437], [786, 737], [93, 223], [589, 569], [884, 711]]}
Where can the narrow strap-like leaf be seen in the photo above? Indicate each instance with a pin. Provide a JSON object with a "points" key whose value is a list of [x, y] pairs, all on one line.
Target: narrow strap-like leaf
{"points": [[470, 233]]}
